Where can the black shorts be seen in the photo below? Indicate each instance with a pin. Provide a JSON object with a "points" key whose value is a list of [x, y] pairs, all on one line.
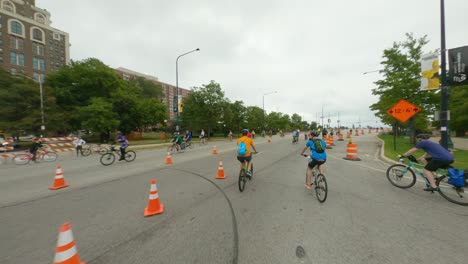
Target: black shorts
{"points": [[433, 165], [313, 162], [243, 159]]}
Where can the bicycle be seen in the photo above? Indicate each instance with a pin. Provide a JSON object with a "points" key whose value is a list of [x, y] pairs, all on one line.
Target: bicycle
{"points": [[319, 181], [26, 157], [243, 174], [109, 157], [87, 149], [397, 174], [175, 147]]}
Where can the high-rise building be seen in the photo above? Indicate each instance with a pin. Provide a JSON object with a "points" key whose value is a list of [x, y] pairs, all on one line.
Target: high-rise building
{"points": [[169, 91], [28, 44]]}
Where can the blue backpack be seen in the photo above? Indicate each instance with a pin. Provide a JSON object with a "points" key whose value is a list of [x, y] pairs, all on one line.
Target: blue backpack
{"points": [[242, 148], [456, 177]]}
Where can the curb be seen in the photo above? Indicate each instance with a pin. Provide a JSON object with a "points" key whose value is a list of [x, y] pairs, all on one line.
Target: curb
{"points": [[382, 152]]}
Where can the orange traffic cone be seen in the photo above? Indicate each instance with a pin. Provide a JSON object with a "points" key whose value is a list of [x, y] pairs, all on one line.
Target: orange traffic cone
{"points": [[351, 152], [168, 158], [59, 181], [214, 150], [328, 142], [220, 170], [65, 252], [154, 207], [340, 137]]}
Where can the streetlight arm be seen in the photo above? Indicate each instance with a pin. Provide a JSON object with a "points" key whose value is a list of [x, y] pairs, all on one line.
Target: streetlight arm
{"points": [[186, 53]]}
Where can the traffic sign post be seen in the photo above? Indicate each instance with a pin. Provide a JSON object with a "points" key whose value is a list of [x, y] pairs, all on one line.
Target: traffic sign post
{"points": [[402, 111]]}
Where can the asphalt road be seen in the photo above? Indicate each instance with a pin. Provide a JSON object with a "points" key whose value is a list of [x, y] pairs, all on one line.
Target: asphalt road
{"points": [[275, 220]]}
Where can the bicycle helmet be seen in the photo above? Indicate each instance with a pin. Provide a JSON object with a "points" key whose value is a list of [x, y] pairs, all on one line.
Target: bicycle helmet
{"points": [[423, 136], [245, 132], [314, 133]]}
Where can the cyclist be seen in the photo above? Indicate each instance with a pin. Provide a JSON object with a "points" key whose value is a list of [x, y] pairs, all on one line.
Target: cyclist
{"points": [[319, 157], [123, 145], [79, 142], [177, 140], [230, 135], [188, 136], [295, 135], [435, 157], [34, 147], [247, 157]]}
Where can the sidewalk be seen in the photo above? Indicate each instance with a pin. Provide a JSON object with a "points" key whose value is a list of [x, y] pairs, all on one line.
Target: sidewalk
{"points": [[458, 142]]}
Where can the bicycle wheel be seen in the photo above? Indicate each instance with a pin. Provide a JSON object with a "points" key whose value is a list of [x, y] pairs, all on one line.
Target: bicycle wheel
{"points": [[190, 145], [130, 155], [452, 193], [321, 188], [107, 159], [242, 180], [49, 156], [21, 159], [86, 151], [396, 175]]}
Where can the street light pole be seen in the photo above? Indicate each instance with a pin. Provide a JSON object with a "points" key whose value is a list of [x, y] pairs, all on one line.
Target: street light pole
{"points": [[42, 97], [42, 103], [176, 107], [263, 108], [444, 113]]}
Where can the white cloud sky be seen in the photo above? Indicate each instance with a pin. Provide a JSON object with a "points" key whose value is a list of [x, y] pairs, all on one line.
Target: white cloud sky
{"points": [[312, 52]]}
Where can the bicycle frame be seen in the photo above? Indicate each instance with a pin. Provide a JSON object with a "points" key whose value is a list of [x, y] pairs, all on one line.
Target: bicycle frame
{"points": [[417, 168]]}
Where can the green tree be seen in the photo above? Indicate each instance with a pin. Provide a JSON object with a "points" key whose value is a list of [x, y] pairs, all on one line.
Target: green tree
{"points": [[148, 87], [98, 116], [401, 71], [296, 121], [458, 105], [203, 107], [254, 118]]}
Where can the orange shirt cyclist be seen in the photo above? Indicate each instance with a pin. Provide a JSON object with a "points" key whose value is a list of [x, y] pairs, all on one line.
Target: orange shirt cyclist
{"points": [[248, 156]]}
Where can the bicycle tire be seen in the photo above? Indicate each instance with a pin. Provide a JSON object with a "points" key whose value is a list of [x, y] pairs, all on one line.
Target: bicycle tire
{"points": [[242, 180], [395, 175], [190, 145], [21, 159], [251, 171], [452, 193], [130, 156], [321, 188], [49, 156], [107, 159]]}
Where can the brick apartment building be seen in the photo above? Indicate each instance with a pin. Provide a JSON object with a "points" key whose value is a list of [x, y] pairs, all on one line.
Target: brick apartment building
{"points": [[28, 44], [169, 91]]}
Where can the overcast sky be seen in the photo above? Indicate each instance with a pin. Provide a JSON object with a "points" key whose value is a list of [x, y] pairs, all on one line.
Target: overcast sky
{"points": [[313, 53]]}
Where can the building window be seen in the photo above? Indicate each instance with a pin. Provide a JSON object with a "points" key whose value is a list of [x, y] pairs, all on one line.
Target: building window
{"points": [[37, 75], [39, 18], [38, 64], [8, 6], [37, 34], [16, 43], [16, 28], [16, 58], [37, 49], [56, 36]]}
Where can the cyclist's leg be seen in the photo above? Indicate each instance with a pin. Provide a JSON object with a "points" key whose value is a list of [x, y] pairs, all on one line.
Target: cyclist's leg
{"points": [[320, 166], [122, 153], [249, 164], [310, 168]]}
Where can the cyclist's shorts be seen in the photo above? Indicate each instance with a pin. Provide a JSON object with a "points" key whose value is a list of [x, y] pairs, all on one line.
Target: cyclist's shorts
{"points": [[242, 159], [433, 165], [314, 162]]}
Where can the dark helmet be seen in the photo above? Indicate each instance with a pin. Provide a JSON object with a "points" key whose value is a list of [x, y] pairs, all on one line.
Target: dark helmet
{"points": [[423, 136], [245, 132], [314, 133]]}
